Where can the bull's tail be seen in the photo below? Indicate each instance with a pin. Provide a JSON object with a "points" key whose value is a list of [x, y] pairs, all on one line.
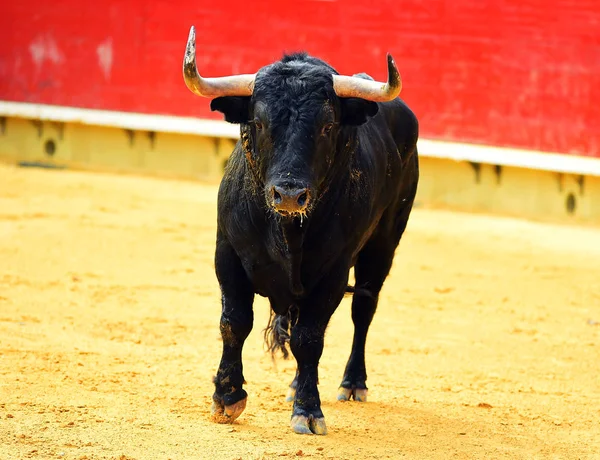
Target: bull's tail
{"points": [[278, 332]]}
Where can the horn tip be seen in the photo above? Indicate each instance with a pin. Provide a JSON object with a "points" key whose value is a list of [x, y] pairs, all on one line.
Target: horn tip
{"points": [[394, 78], [391, 62], [190, 49]]}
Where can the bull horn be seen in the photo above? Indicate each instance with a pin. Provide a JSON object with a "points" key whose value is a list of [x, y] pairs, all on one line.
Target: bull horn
{"points": [[370, 90], [233, 85]]}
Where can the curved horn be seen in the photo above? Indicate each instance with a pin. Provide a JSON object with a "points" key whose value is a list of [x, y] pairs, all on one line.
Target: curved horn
{"points": [[234, 85], [375, 91]]}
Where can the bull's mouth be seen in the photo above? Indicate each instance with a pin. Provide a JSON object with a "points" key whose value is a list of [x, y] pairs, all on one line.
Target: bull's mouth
{"points": [[302, 215]]}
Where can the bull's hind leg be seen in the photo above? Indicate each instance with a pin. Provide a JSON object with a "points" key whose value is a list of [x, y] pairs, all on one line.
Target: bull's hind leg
{"points": [[291, 394], [229, 399], [371, 269], [277, 336]]}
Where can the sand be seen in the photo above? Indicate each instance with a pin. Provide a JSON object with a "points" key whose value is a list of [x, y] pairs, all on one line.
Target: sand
{"points": [[486, 343]]}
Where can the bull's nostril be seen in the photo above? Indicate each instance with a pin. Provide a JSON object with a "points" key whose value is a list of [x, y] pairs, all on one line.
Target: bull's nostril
{"points": [[276, 197], [302, 199]]}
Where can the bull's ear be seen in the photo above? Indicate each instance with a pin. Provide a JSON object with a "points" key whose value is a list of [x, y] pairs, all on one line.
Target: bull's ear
{"points": [[235, 108], [356, 111]]}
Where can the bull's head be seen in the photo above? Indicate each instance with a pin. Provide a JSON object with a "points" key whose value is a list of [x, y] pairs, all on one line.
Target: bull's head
{"points": [[291, 114]]}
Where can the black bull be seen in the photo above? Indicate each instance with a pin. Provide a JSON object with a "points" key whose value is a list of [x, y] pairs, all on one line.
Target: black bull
{"points": [[317, 184]]}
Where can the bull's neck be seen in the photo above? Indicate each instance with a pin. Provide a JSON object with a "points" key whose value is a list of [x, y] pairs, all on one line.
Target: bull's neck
{"points": [[344, 156], [293, 239]]}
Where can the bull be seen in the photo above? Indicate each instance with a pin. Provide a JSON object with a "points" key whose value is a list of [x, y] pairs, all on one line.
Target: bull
{"points": [[322, 180]]}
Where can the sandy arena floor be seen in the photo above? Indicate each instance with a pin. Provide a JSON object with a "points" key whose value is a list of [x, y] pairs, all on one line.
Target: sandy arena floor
{"points": [[486, 343]]}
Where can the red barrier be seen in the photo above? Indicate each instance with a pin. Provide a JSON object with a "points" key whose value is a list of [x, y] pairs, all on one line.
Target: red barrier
{"points": [[510, 73]]}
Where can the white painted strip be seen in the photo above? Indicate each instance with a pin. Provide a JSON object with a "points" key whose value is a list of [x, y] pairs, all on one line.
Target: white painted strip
{"points": [[547, 161], [125, 120]]}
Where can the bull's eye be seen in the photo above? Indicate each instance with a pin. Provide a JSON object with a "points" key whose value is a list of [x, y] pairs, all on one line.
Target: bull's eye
{"points": [[258, 125], [327, 129]]}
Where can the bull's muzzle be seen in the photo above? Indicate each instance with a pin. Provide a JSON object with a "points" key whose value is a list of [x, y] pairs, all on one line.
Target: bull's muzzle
{"points": [[289, 200]]}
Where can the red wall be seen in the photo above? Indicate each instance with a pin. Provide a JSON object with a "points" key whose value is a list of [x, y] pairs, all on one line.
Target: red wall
{"points": [[512, 72]]}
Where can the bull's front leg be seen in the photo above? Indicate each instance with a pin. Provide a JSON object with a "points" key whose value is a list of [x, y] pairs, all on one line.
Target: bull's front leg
{"points": [[306, 343], [229, 399], [307, 346]]}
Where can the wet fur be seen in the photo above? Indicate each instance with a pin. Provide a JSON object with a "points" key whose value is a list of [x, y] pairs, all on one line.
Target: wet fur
{"points": [[362, 180]]}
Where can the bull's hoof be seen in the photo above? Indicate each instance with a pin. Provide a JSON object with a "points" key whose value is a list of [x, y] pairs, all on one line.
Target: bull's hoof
{"points": [[308, 425], [291, 394], [358, 394], [227, 414]]}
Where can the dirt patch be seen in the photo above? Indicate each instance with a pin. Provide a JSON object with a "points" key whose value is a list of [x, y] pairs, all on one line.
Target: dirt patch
{"points": [[485, 345]]}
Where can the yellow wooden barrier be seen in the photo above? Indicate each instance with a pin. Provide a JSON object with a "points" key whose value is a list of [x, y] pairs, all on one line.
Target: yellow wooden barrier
{"points": [[462, 185]]}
